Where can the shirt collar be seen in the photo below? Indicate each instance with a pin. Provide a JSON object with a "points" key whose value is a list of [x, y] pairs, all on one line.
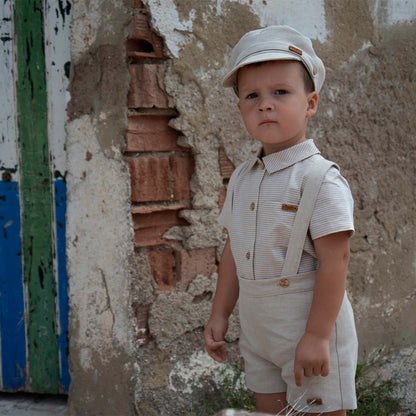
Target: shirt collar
{"points": [[285, 158]]}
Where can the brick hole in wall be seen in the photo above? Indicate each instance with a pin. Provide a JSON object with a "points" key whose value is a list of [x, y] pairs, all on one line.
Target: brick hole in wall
{"points": [[160, 170]]}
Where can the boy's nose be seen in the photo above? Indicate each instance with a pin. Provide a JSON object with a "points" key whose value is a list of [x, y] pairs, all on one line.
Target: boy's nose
{"points": [[265, 105]]}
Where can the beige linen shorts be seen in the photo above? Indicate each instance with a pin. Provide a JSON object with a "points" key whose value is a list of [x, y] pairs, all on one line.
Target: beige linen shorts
{"points": [[273, 315]]}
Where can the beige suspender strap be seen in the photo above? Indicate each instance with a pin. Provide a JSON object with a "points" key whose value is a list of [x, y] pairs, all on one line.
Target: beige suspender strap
{"points": [[304, 215]]}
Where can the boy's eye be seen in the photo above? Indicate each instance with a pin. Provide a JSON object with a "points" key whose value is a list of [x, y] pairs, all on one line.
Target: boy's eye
{"points": [[280, 92], [252, 95]]}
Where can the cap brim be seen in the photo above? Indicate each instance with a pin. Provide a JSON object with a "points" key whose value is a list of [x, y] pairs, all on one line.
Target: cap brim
{"points": [[230, 78]]}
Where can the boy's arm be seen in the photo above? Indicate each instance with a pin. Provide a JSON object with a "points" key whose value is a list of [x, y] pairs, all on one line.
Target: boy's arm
{"points": [[312, 352], [225, 299]]}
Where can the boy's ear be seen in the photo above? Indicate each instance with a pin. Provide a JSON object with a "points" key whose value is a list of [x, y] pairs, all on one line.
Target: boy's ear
{"points": [[313, 99]]}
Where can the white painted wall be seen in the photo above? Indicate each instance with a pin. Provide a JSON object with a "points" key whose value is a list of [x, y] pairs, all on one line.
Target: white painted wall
{"points": [[57, 54], [308, 17], [8, 138], [389, 12]]}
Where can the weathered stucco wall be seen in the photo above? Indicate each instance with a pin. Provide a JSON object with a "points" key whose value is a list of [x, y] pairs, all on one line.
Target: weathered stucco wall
{"points": [[99, 231], [365, 123]]}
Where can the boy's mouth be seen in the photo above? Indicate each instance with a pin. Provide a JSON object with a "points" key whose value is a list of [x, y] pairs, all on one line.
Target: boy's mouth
{"points": [[267, 121]]}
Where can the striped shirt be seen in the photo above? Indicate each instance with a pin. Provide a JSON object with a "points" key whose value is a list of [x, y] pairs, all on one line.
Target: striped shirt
{"points": [[262, 198]]}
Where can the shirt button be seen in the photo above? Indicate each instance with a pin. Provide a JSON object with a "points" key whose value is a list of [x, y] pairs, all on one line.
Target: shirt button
{"points": [[252, 206], [248, 255], [284, 283], [262, 165]]}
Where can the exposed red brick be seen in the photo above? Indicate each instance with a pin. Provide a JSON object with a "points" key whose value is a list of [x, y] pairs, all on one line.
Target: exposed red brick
{"points": [[147, 86], [221, 196], [182, 169], [150, 179], [137, 4], [193, 262], [142, 316], [148, 209], [151, 132], [143, 42], [149, 228], [161, 265], [226, 166]]}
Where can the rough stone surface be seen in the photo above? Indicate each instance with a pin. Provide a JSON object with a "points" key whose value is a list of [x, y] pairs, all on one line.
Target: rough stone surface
{"points": [[371, 135], [100, 244], [173, 314], [101, 328], [399, 365]]}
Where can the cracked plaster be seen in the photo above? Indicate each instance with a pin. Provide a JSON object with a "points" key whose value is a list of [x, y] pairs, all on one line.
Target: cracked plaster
{"points": [[98, 231], [175, 313]]}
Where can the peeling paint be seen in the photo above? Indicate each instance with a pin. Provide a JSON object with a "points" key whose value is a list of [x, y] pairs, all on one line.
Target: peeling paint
{"points": [[391, 12], [8, 134], [307, 17], [175, 28]]}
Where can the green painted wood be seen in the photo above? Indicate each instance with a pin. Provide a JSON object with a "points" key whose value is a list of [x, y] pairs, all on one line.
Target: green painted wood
{"points": [[36, 190]]}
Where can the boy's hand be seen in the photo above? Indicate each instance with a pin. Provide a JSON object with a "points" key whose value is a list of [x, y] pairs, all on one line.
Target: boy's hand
{"points": [[311, 358], [214, 338]]}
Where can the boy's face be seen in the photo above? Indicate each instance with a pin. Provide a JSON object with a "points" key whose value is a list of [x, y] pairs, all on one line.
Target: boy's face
{"points": [[274, 105]]}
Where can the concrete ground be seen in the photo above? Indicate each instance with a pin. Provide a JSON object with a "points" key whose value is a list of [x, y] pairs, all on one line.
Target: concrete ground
{"points": [[21, 404]]}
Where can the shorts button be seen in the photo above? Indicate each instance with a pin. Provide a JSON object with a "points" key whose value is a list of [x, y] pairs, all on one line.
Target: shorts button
{"points": [[248, 255], [252, 206], [284, 283]]}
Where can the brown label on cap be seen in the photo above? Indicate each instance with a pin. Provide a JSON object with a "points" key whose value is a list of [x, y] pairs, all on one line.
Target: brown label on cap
{"points": [[296, 50], [288, 207]]}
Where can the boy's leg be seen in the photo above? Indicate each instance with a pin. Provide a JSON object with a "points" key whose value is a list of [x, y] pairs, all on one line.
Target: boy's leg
{"points": [[272, 403]]}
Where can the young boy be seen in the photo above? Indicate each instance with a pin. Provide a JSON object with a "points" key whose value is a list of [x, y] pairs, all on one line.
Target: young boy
{"points": [[298, 336]]}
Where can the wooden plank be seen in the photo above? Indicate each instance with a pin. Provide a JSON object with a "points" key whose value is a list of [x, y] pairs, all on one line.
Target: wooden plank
{"points": [[8, 148], [63, 298], [37, 197], [57, 32]]}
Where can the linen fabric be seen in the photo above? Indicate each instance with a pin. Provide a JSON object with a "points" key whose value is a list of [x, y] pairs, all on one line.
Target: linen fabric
{"points": [[273, 319], [256, 216], [274, 309]]}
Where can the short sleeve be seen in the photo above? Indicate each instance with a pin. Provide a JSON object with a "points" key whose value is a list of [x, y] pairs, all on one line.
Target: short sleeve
{"points": [[334, 208]]}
